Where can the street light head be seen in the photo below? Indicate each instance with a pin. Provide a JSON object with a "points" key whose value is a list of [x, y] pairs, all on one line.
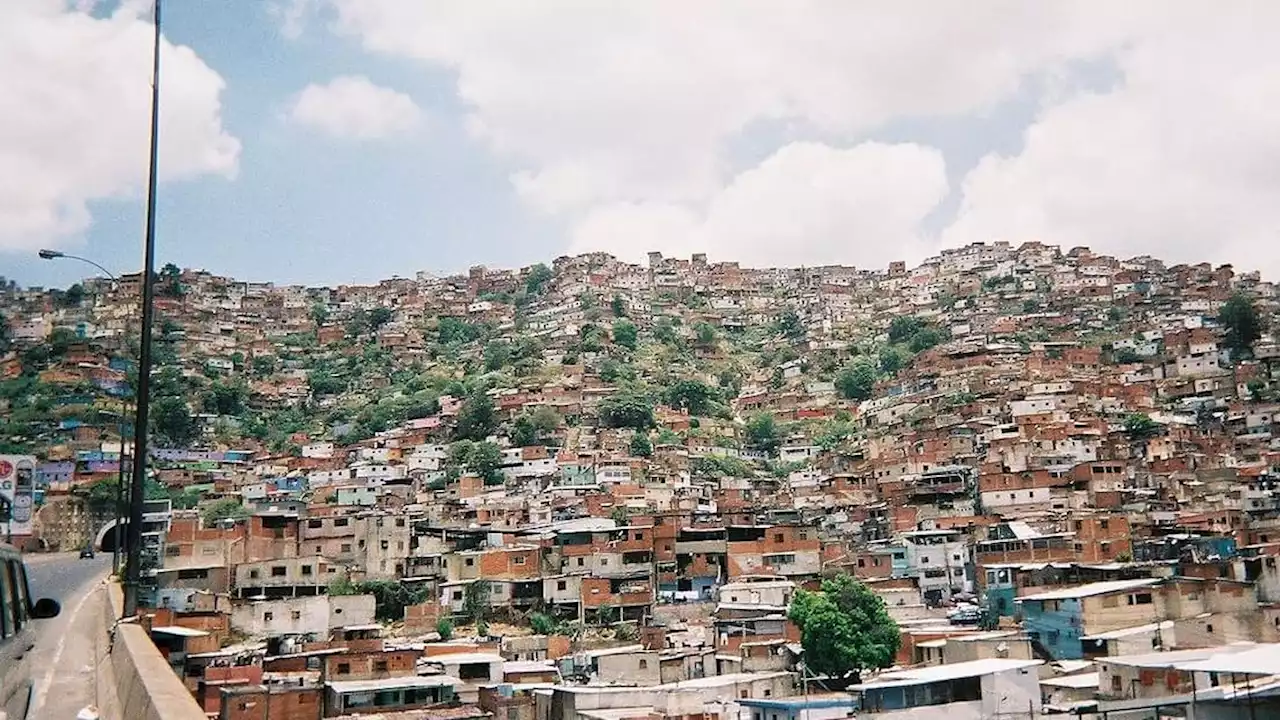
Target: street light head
{"points": [[50, 254]]}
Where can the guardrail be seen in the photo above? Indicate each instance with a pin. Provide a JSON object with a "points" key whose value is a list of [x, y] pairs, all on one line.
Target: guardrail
{"points": [[146, 687]]}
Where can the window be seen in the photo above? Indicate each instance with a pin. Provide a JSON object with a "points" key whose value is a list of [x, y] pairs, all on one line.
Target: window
{"points": [[306, 569], [604, 561], [380, 666], [518, 560], [644, 664], [340, 522], [1208, 628], [470, 562], [315, 523], [296, 615], [580, 563], [279, 571], [193, 574], [562, 585], [253, 574], [777, 537], [639, 536], [1103, 524], [1140, 599], [1110, 601], [268, 616], [344, 668]]}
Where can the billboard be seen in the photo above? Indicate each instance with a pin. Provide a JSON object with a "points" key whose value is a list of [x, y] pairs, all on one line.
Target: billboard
{"points": [[17, 487]]}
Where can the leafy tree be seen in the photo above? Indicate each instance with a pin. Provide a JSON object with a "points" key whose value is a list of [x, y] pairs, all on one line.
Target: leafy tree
{"points": [[762, 433], [1125, 356], [480, 458], [1243, 324], [902, 327], [496, 355], [61, 340], [226, 509], [664, 330], [475, 601], [5, 333], [925, 338], [790, 327], [172, 421], [618, 306], [891, 359], [536, 282], [263, 365], [170, 278], [626, 409], [523, 433], [358, 323], [452, 330], [224, 398], [379, 317], [444, 628], [844, 629], [73, 296], [590, 337], [857, 380], [625, 333], [542, 624], [1140, 426], [477, 418], [319, 314], [640, 445], [322, 382], [389, 598], [706, 333], [694, 396]]}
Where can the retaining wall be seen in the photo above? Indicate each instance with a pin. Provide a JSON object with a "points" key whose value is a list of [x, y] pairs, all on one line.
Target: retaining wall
{"points": [[146, 687]]}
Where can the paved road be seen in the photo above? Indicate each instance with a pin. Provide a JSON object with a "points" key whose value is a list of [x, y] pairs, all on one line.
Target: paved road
{"points": [[71, 644]]}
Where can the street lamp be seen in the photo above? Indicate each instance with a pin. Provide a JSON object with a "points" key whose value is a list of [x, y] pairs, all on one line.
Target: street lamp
{"points": [[120, 425]]}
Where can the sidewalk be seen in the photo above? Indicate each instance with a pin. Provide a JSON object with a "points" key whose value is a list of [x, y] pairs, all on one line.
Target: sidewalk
{"points": [[81, 673]]}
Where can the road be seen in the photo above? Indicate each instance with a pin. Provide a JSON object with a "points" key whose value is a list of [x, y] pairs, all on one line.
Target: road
{"points": [[70, 645]]}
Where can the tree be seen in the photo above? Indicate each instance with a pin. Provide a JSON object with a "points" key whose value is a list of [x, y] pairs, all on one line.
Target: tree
{"points": [[496, 355], [389, 598], [73, 296], [790, 327], [226, 509], [538, 278], [618, 306], [523, 433], [477, 418], [706, 333], [484, 460], [1140, 426], [891, 359], [903, 327], [172, 421], [693, 396], [319, 314], [844, 629], [170, 284], [626, 409], [542, 624], [857, 380], [925, 338], [379, 317], [224, 398], [640, 445], [444, 628], [762, 433], [475, 601], [451, 330], [358, 323], [5, 333], [624, 333], [1243, 325]]}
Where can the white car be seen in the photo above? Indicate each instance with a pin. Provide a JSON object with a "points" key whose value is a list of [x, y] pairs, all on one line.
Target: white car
{"points": [[18, 634]]}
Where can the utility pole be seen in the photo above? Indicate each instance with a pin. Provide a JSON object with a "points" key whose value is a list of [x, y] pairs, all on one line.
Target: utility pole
{"points": [[137, 491]]}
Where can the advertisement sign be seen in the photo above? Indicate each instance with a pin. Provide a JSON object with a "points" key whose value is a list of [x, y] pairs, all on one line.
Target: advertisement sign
{"points": [[17, 487]]}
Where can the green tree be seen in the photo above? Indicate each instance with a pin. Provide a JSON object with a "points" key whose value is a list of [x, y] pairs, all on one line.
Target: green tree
{"points": [[73, 296], [319, 314], [844, 629], [444, 628], [693, 396], [1243, 325], [171, 420], [542, 624], [626, 409], [379, 317], [902, 327], [891, 359], [625, 333], [538, 278], [224, 398], [475, 601], [665, 332], [225, 509], [496, 355], [706, 333], [925, 338], [857, 380], [263, 365], [450, 330], [390, 598], [1140, 426], [170, 278], [618, 306], [358, 323], [790, 326], [762, 433], [477, 418], [640, 445]]}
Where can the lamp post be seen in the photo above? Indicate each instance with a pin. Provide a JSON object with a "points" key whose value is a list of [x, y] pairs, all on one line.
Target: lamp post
{"points": [[120, 425], [137, 491]]}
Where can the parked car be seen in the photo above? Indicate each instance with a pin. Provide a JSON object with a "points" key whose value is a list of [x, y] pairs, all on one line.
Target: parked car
{"points": [[86, 553], [18, 634]]}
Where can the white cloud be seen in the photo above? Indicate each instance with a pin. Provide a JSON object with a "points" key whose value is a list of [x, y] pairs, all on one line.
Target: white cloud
{"points": [[352, 107], [808, 204], [618, 116], [1179, 161], [75, 129]]}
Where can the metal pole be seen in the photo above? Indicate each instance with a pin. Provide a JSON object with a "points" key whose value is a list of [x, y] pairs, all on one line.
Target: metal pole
{"points": [[137, 492]]}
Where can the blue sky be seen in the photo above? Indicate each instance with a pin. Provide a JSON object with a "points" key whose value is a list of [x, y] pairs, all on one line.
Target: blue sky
{"points": [[506, 133]]}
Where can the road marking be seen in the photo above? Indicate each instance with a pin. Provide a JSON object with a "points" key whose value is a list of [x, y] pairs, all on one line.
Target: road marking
{"points": [[43, 692]]}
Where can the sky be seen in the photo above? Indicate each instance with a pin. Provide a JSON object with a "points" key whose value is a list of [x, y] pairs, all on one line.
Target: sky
{"points": [[346, 141]]}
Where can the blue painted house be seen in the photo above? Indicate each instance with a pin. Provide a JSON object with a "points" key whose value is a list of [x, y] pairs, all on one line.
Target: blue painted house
{"points": [[1057, 620]]}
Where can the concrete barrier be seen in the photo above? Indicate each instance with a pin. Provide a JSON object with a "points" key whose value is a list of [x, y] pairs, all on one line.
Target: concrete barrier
{"points": [[146, 687]]}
